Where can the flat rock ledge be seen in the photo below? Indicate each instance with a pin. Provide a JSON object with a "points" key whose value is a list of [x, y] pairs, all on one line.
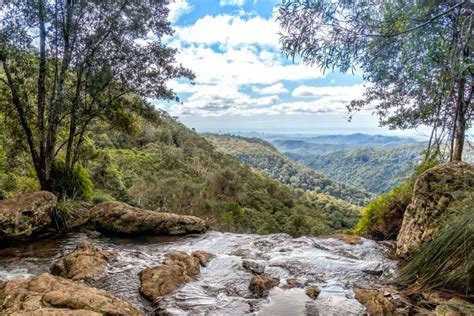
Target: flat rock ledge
{"points": [[177, 269], [51, 295], [25, 215], [85, 262], [122, 218]]}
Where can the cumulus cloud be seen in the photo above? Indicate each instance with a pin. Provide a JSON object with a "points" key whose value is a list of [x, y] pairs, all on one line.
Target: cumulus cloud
{"points": [[239, 66], [178, 8], [229, 52], [216, 100], [232, 30]]}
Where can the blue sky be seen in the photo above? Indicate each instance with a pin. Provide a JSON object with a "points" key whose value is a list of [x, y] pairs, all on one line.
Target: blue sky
{"points": [[245, 83]]}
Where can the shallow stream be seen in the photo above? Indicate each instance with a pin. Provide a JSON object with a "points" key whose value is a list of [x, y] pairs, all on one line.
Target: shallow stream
{"points": [[222, 287]]}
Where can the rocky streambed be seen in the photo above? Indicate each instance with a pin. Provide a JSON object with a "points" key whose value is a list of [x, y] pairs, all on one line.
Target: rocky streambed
{"points": [[330, 265]]}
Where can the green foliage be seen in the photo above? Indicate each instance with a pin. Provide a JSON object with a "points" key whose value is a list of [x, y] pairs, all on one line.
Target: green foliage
{"points": [[374, 169], [68, 213], [76, 184], [447, 261], [262, 156], [416, 55], [167, 167], [378, 218]]}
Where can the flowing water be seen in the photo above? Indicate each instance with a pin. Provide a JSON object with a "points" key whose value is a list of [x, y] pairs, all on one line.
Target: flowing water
{"points": [[222, 287]]}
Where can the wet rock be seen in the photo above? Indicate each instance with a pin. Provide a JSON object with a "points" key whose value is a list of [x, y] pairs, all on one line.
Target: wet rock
{"points": [[375, 302], [312, 291], [25, 215], [51, 295], [348, 239], [178, 268], [436, 195], [253, 266], [203, 256], [292, 283], [85, 262], [260, 285], [122, 218]]}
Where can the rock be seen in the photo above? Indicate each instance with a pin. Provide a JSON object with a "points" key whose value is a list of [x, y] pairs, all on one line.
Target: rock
{"points": [[25, 215], [312, 291], [120, 217], [375, 302], [85, 262], [436, 195], [260, 285], [253, 266], [348, 239], [203, 256], [51, 295], [292, 283], [178, 268]]}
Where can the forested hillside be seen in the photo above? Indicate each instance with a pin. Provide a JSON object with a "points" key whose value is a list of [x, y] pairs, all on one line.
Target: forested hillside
{"points": [[164, 166], [376, 169], [262, 156]]}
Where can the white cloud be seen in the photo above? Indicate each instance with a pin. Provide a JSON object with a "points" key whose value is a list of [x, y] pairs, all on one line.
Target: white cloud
{"points": [[177, 9], [232, 30], [277, 88], [346, 92], [216, 100], [239, 66], [231, 3], [228, 52]]}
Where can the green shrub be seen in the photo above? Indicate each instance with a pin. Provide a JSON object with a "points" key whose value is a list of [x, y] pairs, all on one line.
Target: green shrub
{"points": [[382, 217], [447, 261], [76, 184]]}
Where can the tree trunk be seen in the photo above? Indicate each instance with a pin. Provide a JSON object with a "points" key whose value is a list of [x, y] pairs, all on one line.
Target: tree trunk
{"points": [[41, 97], [459, 131]]}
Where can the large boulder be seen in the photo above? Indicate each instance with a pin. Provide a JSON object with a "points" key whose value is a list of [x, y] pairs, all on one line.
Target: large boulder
{"points": [[177, 269], [25, 215], [437, 194], [85, 262], [120, 217], [51, 295]]}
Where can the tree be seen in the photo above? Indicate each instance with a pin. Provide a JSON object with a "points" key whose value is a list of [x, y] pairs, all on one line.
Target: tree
{"points": [[417, 57], [66, 63]]}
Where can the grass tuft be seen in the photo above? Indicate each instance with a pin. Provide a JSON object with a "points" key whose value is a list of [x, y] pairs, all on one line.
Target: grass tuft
{"points": [[445, 263]]}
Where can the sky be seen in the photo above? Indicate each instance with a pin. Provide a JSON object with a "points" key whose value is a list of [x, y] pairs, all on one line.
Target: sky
{"points": [[244, 82]]}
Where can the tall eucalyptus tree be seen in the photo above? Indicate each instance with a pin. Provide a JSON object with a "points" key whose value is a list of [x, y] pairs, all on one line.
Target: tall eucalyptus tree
{"points": [[66, 63], [417, 57]]}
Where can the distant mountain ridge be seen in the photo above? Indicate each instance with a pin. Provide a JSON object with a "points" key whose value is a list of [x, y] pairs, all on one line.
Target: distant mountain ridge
{"points": [[330, 143]]}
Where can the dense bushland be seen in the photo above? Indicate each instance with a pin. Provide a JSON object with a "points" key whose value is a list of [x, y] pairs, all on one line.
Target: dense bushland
{"points": [[381, 219]]}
